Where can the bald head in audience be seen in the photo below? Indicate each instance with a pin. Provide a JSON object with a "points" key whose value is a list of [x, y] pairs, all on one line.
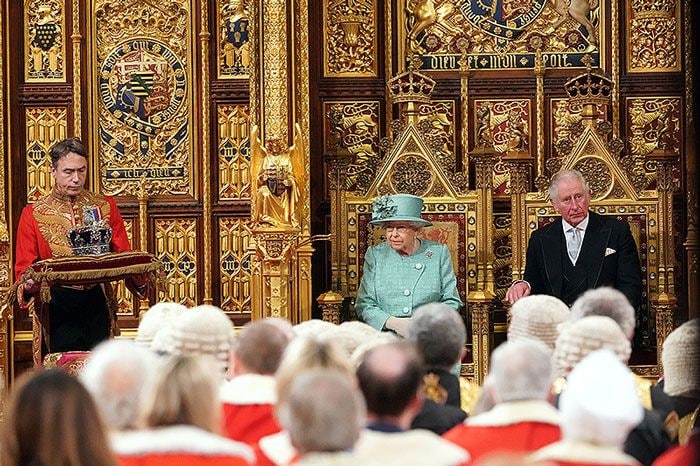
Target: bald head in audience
{"points": [[389, 377]]}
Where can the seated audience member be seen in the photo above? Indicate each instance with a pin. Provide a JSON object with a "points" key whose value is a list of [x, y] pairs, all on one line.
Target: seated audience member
{"points": [[680, 358], [360, 327], [612, 303], [581, 337], [607, 302], [438, 332], [596, 417], [323, 414], [390, 378], [250, 395], [522, 420], [537, 317], [381, 338], [158, 316], [181, 414], [203, 330], [118, 374], [283, 324], [348, 338], [312, 328], [303, 354], [50, 419]]}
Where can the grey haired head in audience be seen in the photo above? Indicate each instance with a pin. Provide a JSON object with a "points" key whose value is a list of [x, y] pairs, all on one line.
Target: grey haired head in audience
{"points": [[439, 334], [520, 370], [118, 374], [607, 302]]}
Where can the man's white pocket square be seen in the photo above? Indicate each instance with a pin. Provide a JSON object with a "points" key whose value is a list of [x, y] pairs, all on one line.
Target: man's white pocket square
{"points": [[609, 251]]}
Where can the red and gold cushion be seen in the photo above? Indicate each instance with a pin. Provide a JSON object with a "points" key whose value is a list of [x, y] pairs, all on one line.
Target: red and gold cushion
{"points": [[70, 361]]}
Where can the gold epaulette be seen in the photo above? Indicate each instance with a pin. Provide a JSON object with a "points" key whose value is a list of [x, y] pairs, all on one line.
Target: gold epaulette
{"points": [[686, 424], [643, 390], [469, 394]]}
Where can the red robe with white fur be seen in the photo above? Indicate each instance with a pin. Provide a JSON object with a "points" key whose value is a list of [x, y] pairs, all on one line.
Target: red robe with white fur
{"points": [[248, 402], [515, 427]]}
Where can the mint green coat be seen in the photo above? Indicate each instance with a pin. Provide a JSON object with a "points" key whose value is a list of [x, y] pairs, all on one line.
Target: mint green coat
{"points": [[394, 285]]}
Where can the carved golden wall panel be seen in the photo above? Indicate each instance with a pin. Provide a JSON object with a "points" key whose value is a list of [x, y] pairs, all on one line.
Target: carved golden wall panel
{"points": [[44, 126], [654, 123], [44, 40], [125, 300], [564, 113], [235, 265], [176, 246], [350, 37], [233, 149], [233, 51], [438, 129], [352, 129], [142, 59], [502, 35], [653, 35], [507, 124]]}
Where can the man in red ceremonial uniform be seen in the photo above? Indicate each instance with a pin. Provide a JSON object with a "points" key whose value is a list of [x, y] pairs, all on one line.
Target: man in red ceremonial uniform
{"points": [[250, 396], [78, 316], [522, 420]]}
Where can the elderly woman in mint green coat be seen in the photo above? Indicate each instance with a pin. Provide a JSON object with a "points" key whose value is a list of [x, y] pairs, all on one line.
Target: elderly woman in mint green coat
{"points": [[405, 271]]}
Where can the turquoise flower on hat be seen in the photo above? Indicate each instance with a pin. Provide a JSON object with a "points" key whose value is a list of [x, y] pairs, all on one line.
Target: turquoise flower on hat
{"points": [[383, 207]]}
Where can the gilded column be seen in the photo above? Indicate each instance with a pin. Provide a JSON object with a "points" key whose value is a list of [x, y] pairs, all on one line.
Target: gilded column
{"points": [[254, 69], [302, 112], [664, 300], [539, 77], [77, 40], [519, 170], [5, 265], [481, 299], [388, 47], [204, 38], [692, 241], [615, 68], [464, 104]]}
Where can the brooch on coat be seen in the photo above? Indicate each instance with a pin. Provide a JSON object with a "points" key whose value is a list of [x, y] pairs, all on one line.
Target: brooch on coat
{"points": [[429, 253]]}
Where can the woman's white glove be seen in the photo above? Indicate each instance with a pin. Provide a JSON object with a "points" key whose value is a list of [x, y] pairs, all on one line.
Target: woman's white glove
{"points": [[399, 325]]}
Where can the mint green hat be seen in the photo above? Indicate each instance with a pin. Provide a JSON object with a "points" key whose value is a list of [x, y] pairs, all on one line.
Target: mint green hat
{"points": [[398, 208]]}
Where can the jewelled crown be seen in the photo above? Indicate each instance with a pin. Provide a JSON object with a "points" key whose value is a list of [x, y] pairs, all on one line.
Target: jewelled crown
{"points": [[94, 237], [410, 85], [589, 88]]}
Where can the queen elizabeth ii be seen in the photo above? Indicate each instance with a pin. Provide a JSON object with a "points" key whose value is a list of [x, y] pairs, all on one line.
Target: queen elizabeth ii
{"points": [[405, 271]]}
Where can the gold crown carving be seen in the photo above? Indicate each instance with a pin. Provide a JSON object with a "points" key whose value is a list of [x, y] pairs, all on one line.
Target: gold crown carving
{"points": [[589, 88], [410, 85]]}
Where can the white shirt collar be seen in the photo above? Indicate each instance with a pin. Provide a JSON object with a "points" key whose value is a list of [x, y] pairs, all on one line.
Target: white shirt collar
{"points": [[581, 226]]}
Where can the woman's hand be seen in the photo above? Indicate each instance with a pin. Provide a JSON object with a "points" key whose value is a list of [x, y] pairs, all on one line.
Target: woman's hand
{"points": [[400, 325]]}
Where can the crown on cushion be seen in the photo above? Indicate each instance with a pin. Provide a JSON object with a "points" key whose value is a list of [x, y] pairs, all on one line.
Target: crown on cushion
{"points": [[94, 237]]}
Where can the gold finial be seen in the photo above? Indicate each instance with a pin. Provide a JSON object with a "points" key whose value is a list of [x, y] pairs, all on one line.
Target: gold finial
{"points": [[588, 61]]}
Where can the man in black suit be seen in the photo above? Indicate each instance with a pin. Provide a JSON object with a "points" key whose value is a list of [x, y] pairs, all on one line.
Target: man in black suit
{"points": [[579, 250]]}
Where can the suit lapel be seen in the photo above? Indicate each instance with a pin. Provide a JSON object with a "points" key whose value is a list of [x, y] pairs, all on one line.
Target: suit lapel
{"points": [[551, 251], [594, 242]]}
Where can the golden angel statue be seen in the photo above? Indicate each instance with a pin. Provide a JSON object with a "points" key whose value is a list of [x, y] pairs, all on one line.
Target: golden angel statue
{"points": [[278, 172]]}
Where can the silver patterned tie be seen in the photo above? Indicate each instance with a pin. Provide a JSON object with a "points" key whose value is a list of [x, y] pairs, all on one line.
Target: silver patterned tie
{"points": [[573, 243]]}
